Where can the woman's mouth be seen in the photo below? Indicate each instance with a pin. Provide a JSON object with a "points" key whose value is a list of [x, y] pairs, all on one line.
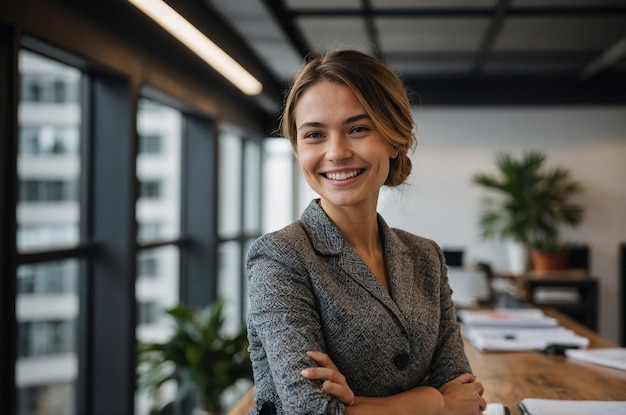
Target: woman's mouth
{"points": [[344, 175]]}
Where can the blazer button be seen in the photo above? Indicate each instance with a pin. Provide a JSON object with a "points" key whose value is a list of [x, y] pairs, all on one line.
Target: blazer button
{"points": [[401, 361]]}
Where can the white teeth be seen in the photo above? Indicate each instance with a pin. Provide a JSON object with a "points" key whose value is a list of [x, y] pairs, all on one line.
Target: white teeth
{"points": [[342, 175]]}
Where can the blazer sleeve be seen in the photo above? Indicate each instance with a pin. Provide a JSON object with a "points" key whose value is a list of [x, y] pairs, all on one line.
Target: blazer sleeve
{"points": [[283, 317], [449, 360]]}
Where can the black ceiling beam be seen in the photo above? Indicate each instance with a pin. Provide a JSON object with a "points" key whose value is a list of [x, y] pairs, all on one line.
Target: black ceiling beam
{"points": [[495, 25], [611, 56], [287, 22], [372, 32], [607, 89], [546, 11]]}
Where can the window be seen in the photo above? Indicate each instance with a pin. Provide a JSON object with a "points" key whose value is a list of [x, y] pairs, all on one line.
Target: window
{"points": [[158, 214], [239, 218], [50, 169], [44, 338], [48, 140], [150, 189], [148, 264], [278, 176], [47, 191], [149, 312], [231, 180], [54, 399], [47, 86], [150, 144], [98, 219], [58, 277], [149, 231]]}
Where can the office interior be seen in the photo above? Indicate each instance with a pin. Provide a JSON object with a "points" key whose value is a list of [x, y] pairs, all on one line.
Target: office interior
{"points": [[134, 176]]}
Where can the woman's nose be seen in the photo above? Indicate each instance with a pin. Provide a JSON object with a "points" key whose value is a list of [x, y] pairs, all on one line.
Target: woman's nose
{"points": [[338, 148]]}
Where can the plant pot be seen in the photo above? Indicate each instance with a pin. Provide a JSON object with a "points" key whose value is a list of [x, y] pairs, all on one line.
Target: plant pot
{"points": [[518, 257], [549, 261]]}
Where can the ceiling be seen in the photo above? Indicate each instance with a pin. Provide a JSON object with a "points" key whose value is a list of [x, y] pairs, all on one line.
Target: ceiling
{"points": [[452, 52]]}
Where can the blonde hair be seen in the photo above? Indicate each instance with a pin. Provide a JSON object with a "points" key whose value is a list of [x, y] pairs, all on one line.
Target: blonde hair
{"points": [[378, 89]]}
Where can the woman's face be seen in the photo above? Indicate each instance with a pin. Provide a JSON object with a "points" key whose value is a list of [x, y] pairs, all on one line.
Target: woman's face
{"points": [[344, 158]]}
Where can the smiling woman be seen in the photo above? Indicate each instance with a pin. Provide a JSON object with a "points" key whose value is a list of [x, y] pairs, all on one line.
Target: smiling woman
{"points": [[346, 314]]}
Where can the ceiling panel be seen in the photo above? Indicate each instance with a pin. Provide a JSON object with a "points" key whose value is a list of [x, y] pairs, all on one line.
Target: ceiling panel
{"points": [[536, 64], [327, 33], [429, 65], [429, 35], [565, 34]]}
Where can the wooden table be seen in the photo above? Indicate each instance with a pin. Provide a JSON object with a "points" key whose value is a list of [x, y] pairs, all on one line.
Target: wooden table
{"points": [[509, 377]]}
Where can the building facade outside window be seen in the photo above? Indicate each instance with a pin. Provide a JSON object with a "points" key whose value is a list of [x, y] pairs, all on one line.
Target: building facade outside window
{"points": [[160, 130], [48, 217]]}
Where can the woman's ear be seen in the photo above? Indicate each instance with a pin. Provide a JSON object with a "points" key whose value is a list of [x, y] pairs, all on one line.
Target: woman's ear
{"points": [[395, 152]]}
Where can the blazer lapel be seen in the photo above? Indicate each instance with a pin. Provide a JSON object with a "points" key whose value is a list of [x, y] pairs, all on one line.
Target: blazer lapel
{"points": [[401, 271], [327, 240]]}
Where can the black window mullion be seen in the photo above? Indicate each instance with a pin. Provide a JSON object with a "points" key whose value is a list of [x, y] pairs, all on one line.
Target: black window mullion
{"points": [[198, 285], [111, 361], [86, 203], [9, 46]]}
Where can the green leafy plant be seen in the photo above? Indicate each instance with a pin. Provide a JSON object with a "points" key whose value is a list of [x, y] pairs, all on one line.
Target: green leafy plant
{"points": [[198, 357], [532, 201]]}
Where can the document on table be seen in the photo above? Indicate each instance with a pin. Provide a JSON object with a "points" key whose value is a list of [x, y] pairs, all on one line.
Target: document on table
{"points": [[522, 339], [530, 406], [505, 317], [614, 357]]}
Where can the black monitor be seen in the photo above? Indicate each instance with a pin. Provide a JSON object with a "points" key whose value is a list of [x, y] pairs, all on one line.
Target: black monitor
{"points": [[454, 257]]}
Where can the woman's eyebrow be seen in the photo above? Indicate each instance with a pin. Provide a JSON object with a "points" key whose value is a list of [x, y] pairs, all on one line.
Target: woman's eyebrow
{"points": [[349, 120], [314, 124], [356, 118]]}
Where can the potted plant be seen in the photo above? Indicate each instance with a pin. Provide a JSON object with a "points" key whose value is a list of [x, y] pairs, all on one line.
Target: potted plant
{"points": [[532, 202], [198, 357]]}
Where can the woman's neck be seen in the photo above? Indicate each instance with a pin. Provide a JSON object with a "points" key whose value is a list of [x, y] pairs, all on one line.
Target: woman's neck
{"points": [[358, 225]]}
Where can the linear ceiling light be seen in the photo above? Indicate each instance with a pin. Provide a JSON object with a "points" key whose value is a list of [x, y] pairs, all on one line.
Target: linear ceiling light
{"points": [[191, 37]]}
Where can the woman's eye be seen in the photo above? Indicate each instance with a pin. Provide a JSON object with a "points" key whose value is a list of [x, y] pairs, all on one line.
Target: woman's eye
{"points": [[359, 129], [312, 134]]}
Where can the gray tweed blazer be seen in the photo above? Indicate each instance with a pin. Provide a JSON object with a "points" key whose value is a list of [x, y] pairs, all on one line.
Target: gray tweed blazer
{"points": [[310, 290]]}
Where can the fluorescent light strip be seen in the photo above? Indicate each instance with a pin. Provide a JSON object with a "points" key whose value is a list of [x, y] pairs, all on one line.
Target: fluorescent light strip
{"points": [[191, 37]]}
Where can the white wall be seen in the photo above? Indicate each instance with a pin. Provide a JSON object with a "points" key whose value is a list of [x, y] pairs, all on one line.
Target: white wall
{"points": [[441, 203]]}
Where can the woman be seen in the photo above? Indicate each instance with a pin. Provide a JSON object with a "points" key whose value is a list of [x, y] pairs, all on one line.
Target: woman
{"points": [[346, 314]]}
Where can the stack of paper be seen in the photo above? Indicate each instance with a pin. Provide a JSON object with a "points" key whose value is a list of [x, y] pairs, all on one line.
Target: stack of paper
{"points": [[522, 339], [614, 357], [557, 407], [516, 330], [507, 317]]}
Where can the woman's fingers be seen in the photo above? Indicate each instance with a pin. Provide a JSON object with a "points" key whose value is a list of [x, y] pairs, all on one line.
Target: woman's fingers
{"points": [[340, 392], [318, 373], [334, 382], [322, 359]]}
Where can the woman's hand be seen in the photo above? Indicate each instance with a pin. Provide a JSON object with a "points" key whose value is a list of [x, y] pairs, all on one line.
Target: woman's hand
{"points": [[334, 382], [463, 395]]}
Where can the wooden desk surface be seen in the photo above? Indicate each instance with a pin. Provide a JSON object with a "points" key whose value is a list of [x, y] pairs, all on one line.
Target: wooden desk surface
{"points": [[509, 377]]}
